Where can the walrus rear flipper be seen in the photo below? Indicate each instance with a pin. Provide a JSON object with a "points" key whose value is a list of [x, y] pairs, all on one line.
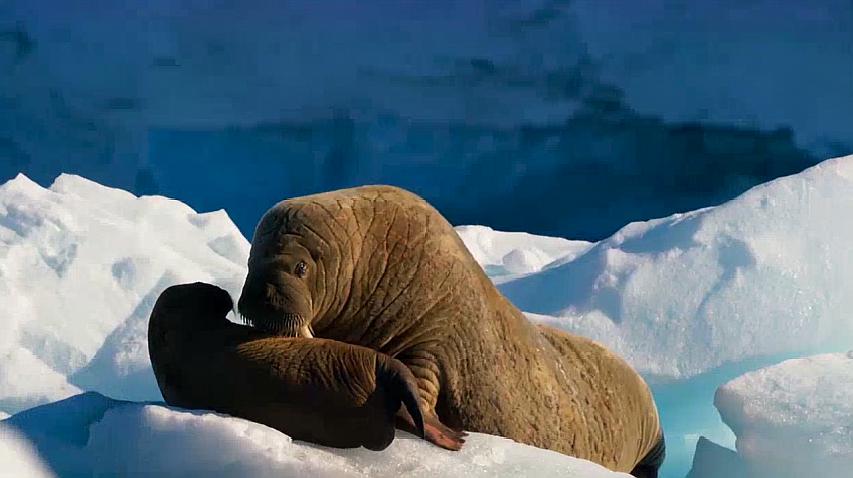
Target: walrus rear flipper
{"points": [[649, 466]]}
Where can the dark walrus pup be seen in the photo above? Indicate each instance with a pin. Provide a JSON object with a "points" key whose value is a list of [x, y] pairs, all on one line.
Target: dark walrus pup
{"points": [[322, 391]]}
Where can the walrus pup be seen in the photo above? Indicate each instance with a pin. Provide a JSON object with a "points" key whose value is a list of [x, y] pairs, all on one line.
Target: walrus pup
{"points": [[378, 267], [316, 390]]}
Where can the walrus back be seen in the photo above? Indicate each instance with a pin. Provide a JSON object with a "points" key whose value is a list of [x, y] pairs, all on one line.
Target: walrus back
{"points": [[619, 398]]}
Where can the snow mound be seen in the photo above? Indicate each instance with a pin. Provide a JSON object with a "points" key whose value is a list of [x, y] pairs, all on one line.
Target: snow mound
{"points": [[80, 267], [793, 419], [511, 253], [766, 273], [90, 434], [18, 456]]}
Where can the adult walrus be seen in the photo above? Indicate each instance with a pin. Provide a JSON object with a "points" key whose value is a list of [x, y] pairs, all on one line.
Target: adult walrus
{"points": [[322, 391], [377, 266]]}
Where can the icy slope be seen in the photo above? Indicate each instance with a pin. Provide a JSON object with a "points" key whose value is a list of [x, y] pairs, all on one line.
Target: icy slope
{"points": [[80, 268], [92, 434], [18, 457], [768, 272], [804, 405]]}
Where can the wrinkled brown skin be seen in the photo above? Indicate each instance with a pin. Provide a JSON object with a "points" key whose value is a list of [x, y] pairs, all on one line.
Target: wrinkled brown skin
{"points": [[316, 390], [386, 271]]}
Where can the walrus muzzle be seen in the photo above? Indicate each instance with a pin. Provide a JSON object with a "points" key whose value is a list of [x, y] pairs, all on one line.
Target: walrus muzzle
{"points": [[277, 303]]}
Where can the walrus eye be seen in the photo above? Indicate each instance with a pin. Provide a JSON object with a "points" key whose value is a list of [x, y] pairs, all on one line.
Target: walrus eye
{"points": [[301, 269]]}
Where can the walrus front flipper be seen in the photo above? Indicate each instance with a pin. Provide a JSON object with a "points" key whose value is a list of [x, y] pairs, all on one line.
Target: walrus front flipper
{"points": [[402, 385]]}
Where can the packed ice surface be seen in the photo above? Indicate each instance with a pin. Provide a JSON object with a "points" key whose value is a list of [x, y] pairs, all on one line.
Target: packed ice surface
{"points": [[80, 268], [793, 419], [768, 272], [93, 435]]}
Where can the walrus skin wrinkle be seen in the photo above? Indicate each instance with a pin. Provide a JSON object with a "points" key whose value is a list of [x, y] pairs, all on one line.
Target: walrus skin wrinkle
{"points": [[379, 267], [317, 390]]}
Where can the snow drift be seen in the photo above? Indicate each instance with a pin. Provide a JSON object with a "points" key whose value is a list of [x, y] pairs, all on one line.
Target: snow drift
{"points": [[80, 268], [90, 434], [18, 457], [766, 273]]}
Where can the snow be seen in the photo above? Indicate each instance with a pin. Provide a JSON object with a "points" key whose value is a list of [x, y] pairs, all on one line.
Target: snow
{"points": [[91, 434], [18, 456], [512, 253], [765, 273], [801, 404], [80, 267]]}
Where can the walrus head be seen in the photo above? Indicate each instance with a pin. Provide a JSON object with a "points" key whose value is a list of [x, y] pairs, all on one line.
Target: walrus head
{"points": [[358, 265], [285, 286], [348, 264]]}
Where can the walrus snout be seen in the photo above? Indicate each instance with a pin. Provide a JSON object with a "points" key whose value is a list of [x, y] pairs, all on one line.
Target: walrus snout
{"points": [[277, 305]]}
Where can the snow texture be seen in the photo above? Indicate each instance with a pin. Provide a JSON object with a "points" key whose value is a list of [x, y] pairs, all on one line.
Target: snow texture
{"points": [[801, 404], [765, 273], [18, 457], [80, 268], [506, 254], [90, 434]]}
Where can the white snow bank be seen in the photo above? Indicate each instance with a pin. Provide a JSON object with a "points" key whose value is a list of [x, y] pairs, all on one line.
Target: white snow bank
{"points": [[18, 457], [91, 434], [80, 267], [769, 272], [793, 419], [508, 253]]}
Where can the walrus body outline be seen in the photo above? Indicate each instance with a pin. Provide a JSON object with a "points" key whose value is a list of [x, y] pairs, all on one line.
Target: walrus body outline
{"points": [[386, 271]]}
